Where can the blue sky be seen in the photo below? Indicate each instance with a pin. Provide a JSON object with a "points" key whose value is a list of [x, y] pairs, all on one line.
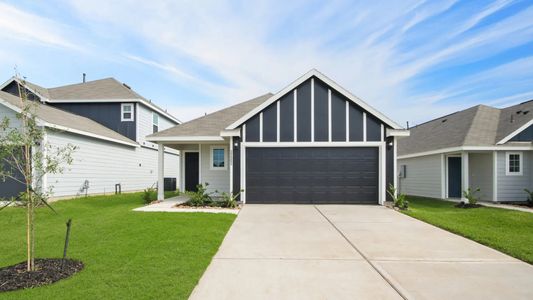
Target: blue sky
{"points": [[412, 60]]}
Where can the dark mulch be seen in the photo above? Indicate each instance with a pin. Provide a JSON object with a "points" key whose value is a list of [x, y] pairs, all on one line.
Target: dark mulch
{"points": [[48, 270], [467, 205]]}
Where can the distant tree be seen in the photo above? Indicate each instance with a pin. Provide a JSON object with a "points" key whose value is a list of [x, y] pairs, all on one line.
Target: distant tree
{"points": [[26, 158]]}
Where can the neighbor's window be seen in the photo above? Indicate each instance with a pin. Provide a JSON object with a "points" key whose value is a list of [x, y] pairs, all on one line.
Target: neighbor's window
{"points": [[126, 112], [218, 158], [155, 122], [514, 163]]}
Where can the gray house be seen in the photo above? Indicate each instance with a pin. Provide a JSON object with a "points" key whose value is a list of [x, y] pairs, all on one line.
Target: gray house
{"points": [[312, 142], [479, 147]]}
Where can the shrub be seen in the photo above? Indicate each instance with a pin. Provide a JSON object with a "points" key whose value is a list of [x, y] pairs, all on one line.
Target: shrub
{"points": [[200, 197], [470, 196], [149, 195], [229, 200], [400, 200], [529, 197]]}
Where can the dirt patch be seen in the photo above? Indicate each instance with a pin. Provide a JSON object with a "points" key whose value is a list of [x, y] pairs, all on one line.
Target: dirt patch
{"points": [[467, 205], [48, 271]]}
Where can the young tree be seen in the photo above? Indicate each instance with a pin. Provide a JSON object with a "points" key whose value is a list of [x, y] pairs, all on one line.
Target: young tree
{"points": [[25, 157]]}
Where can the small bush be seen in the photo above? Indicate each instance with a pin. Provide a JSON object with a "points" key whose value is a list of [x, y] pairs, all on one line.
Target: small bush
{"points": [[200, 197], [470, 196], [229, 200], [529, 197], [400, 200], [149, 195]]}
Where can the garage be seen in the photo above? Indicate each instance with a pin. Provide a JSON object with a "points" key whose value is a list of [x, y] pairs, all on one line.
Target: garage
{"points": [[312, 175]]}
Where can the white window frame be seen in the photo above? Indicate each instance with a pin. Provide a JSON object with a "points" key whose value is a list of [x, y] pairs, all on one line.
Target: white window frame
{"points": [[131, 112], [225, 167], [153, 123], [520, 165]]}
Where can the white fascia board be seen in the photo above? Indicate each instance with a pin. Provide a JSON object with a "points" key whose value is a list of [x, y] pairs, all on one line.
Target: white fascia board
{"points": [[514, 133], [230, 133], [329, 82], [163, 139], [397, 132], [469, 148], [132, 100], [312, 144], [89, 134]]}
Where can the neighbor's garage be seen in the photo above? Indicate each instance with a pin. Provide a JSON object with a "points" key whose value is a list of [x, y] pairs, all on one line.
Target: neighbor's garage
{"points": [[325, 175]]}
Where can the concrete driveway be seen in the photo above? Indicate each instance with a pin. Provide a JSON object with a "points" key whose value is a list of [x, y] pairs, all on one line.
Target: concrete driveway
{"points": [[354, 252]]}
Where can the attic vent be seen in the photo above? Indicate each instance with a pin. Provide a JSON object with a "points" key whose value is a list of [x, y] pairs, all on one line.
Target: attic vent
{"points": [[444, 120], [518, 112], [127, 86], [525, 112]]}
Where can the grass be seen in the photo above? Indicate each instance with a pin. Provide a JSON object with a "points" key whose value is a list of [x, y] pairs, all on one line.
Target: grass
{"points": [[505, 230], [127, 255]]}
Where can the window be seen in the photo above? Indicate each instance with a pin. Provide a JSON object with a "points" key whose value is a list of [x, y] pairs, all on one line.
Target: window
{"points": [[218, 158], [126, 112], [513, 163], [155, 122]]}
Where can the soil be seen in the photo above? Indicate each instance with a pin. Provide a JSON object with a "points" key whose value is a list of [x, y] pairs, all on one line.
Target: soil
{"points": [[203, 207], [48, 271], [467, 205]]}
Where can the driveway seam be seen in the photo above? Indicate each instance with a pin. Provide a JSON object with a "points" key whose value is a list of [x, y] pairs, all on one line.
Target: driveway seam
{"points": [[376, 268]]}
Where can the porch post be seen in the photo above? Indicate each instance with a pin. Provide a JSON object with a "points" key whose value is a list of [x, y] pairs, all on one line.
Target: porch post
{"points": [[464, 174], [495, 176], [161, 172]]}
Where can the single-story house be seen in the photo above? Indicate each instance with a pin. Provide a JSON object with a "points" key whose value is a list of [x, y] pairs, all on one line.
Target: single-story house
{"points": [[108, 122], [312, 142], [479, 147]]}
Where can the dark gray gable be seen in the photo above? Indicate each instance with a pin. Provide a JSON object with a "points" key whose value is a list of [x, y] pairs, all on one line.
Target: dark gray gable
{"points": [[525, 135], [314, 115], [12, 88]]}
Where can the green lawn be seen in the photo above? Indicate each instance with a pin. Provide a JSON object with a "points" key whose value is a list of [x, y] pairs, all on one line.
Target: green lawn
{"points": [[505, 230], [127, 255]]}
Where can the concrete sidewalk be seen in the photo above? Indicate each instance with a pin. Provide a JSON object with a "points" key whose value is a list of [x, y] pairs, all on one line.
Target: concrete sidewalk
{"points": [[354, 252]]}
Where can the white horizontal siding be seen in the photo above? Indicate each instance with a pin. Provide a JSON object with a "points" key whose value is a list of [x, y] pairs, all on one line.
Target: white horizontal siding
{"points": [[480, 169], [105, 164], [218, 179], [423, 176], [511, 187], [6, 112], [145, 125]]}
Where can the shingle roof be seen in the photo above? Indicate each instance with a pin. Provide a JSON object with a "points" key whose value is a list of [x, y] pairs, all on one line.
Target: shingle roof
{"points": [[107, 88], [63, 118], [480, 125], [212, 124]]}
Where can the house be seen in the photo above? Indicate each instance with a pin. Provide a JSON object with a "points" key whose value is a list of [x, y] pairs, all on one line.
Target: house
{"points": [[312, 142], [479, 147], [108, 122]]}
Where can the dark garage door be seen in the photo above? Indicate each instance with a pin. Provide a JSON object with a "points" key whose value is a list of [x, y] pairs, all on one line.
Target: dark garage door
{"points": [[312, 175]]}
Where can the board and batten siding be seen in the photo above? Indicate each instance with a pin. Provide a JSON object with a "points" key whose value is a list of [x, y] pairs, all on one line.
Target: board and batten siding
{"points": [[480, 174], [105, 164], [218, 179], [511, 187], [423, 176]]}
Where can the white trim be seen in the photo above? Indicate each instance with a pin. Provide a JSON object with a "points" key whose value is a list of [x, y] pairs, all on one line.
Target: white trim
{"points": [[213, 138], [395, 163], [396, 132], [13, 78], [382, 177], [212, 148], [364, 126], [514, 133], [261, 126], [160, 172], [443, 174], [495, 176], [347, 121], [312, 109], [243, 173], [153, 124], [465, 172], [231, 165], [278, 122], [85, 133], [312, 144], [382, 133], [520, 166], [468, 148], [132, 112], [329, 115], [295, 115], [200, 164], [137, 135], [244, 132], [326, 80], [231, 133]]}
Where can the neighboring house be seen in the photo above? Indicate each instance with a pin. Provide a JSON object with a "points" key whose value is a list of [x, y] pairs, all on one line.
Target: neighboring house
{"points": [[312, 142], [479, 147], [108, 122]]}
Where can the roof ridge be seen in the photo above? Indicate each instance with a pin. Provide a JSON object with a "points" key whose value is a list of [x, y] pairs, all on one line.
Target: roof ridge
{"points": [[475, 120], [81, 83]]}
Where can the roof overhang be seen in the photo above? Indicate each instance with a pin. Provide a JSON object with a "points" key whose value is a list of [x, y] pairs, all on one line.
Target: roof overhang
{"points": [[329, 82], [514, 133], [174, 139], [525, 147], [229, 133], [397, 132]]}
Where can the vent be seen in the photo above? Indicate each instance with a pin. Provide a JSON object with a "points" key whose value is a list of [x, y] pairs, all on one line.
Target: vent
{"points": [[126, 86], [444, 120]]}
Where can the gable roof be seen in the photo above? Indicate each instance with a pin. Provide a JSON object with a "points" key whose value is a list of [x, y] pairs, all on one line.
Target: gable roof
{"points": [[210, 126], [328, 81], [480, 125], [63, 120], [102, 90]]}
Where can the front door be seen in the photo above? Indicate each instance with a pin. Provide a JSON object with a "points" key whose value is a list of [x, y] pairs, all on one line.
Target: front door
{"points": [[192, 169], [454, 177]]}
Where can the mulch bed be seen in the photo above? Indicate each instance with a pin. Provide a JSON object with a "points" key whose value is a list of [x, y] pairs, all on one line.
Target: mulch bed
{"points": [[467, 205], [48, 271]]}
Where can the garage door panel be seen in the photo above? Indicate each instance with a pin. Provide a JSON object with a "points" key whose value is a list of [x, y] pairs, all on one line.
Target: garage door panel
{"points": [[312, 175]]}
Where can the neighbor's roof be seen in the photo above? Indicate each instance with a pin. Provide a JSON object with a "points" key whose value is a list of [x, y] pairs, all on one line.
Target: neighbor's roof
{"points": [[480, 125], [212, 124], [61, 118]]}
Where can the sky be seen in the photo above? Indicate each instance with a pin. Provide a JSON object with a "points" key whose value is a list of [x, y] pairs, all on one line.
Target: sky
{"points": [[411, 60]]}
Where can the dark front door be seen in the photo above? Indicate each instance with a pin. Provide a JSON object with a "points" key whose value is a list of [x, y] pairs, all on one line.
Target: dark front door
{"points": [[454, 177], [312, 175], [192, 169]]}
